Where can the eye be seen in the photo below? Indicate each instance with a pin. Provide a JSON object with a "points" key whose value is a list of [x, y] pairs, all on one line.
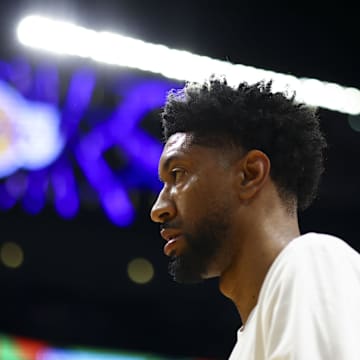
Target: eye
{"points": [[177, 174]]}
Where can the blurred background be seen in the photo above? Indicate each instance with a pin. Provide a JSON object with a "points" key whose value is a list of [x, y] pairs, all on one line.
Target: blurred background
{"points": [[81, 266]]}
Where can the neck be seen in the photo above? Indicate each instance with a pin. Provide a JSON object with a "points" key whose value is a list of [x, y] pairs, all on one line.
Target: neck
{"points": [[255, 251]]}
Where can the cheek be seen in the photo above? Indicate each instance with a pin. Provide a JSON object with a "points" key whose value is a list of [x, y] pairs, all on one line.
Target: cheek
{"points": [[190, 200], [186, 190]]}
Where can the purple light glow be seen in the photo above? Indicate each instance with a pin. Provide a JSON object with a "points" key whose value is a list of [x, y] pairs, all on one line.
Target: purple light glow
{"points": [[46, 84], [78, 99], [29, 132], [34, 198], [118, 206], [16, 184], [20, 76], [119, 130], [113, 196], [139, 100], [65, 193], [6, 200], [5, 70], [143, 150]]}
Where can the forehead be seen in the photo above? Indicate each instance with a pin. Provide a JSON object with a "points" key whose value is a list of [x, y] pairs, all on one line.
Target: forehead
{"points": [[181, 146], [179, 142], [177, 146]]}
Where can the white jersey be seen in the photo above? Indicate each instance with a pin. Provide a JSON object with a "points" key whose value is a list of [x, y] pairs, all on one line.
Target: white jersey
{"points": [[308, 306]]}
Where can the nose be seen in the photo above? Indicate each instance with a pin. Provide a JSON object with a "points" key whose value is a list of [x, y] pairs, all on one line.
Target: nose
{"points": [[163, 208]]}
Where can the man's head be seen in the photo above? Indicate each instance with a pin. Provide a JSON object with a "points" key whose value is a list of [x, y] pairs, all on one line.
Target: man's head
{"points": [[222, 145]]}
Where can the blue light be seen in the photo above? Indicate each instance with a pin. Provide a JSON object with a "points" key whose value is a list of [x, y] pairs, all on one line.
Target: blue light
{"points": [[16, 184], [57, 354], [46, 84], [77, 101], [29, 133], [65, 192], [121, 130], [34, 198], [6, 200], [54, 142]]}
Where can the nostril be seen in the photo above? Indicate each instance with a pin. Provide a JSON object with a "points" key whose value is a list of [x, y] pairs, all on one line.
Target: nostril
{"points": [[159, 215], [164, 216]]}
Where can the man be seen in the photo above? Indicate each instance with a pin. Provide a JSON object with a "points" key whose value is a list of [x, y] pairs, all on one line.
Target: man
{"points": [[237, 166]]}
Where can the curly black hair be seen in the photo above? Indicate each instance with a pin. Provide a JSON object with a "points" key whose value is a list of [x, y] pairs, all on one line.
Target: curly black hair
{"points": [[253, 117]]}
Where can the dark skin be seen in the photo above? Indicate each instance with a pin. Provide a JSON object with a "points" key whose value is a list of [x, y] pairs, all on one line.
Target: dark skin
{"points": [[197, 178]]}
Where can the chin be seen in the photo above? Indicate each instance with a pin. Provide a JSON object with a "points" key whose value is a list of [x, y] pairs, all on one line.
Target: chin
{"points": [[189, 272], [183, 272]]}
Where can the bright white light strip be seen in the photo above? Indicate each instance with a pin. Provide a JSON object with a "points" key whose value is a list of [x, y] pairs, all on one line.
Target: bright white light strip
{"points": [[65, 38]]}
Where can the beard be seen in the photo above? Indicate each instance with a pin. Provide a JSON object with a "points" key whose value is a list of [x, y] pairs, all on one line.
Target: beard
{"points": [[204, 245]]}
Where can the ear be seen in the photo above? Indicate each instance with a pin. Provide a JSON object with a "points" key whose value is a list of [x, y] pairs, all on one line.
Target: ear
{"points": [[252, 172]]}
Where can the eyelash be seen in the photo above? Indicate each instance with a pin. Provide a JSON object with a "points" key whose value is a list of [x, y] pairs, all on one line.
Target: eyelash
{"points": [[176, 173]]}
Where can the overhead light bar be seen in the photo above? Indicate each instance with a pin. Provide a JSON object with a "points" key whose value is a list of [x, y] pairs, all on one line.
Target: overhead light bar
{"points": [[65, 38]]}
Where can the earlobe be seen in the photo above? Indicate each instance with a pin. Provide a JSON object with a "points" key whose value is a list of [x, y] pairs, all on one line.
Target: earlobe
{"points": [[252, 173]]}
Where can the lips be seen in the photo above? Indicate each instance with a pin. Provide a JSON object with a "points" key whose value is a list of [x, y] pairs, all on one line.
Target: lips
{"points": [[172, 236], [169, 234]]}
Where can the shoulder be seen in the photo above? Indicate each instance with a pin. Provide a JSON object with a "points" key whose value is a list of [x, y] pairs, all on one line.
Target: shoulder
{"points": [[313, 240], [314, 247], [310, 295], [313, 259]]}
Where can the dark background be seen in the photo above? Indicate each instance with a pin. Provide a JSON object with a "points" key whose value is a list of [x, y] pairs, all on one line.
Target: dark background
{"points": [[73, 287]]}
